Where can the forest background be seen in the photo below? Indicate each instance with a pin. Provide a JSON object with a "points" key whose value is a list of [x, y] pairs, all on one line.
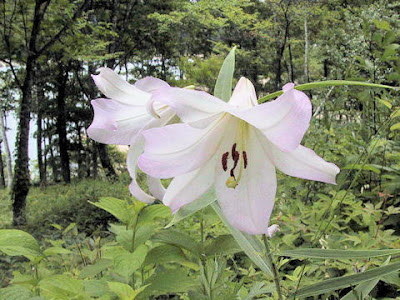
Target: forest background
{"points": [[49, 49]]}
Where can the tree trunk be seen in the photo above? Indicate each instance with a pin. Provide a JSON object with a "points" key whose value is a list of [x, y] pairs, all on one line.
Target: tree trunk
{"points": [[21, 181], [291, 66], [7, 152], [279, 53], [62, 79], [94, 158], [40, 98], [79, 150], [2, 179], [106, 162], [306, 46]]}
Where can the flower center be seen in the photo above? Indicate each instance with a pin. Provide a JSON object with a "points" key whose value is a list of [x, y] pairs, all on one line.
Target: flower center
{"points": [[236, 157]]}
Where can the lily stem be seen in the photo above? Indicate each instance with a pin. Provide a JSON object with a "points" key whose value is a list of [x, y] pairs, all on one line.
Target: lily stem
{"points": [[274, 269]]}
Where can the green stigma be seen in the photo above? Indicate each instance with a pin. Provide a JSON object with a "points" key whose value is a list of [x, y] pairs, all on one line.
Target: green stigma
{"points": [[231, 182]]}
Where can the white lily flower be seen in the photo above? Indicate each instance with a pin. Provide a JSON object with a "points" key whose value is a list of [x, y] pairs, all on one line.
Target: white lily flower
{"points": [[234, 147], [122, 118]]}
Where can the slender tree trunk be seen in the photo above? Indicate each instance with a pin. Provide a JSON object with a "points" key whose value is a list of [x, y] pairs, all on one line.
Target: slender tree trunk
{"points": [[7, 152], [80, 154], [88, 158], [21, 181], [106, 162], [279, 54], [306, 46], [53, 163], [94, 160], [2, 179], [40, 98], [291, 66], [62, 79]]}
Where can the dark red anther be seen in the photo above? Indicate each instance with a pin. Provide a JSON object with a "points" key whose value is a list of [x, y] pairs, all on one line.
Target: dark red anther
{"points": [[225, 161], [234, 152], [235, 157], [244, 159]]}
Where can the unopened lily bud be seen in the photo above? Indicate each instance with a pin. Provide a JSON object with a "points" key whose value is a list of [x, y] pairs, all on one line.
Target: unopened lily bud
{"points": [[272, 230]]}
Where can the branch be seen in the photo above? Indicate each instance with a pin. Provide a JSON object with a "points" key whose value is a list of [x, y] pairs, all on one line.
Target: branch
{"points": [[13, 71], [55, 38]]}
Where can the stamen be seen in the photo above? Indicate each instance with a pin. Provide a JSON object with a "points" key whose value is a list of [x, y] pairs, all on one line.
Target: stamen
{"points": [[225, 161], [244, 159], [235, 154], [235, 163]]}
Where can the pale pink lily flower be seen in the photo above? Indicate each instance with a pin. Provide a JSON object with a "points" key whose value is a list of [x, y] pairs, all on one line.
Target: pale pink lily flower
{"points": [[234, 147], [121, 119]]}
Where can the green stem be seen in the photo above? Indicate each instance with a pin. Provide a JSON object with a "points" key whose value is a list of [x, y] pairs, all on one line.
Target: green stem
{"points": [[274, 269], [318, 84]]}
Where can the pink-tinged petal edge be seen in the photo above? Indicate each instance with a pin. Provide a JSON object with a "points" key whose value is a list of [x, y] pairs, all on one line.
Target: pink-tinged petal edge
{"points": [[133, 154], [302, 162], [283, 121]]}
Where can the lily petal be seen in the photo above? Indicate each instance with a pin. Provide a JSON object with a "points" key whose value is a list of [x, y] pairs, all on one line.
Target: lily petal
{"points": [[115, 122], [244, 94], [302, 162], [150, 84], [114, 87], [133, 154], [186, 188], [197, 108], [249, 205], [155, 187], [283, 121], [179, 148]]}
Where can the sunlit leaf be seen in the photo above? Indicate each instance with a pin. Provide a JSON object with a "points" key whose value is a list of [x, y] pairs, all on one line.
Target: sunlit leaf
{"points": [[15, 242], [223, 86]]}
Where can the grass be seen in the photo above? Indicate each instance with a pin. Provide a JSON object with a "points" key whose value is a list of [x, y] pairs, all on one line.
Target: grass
{"points": [[63, 204]]}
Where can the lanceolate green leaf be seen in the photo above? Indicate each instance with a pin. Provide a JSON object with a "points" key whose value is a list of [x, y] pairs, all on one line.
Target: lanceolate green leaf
{"points": [[250, 244], [319, 84], [223, 86], [346, 281], [364, 288], [338, 254]]}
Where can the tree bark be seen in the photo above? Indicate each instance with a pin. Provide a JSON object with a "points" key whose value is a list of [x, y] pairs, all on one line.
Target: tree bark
{"points": [[2, 179], [7, 152], [40, 98], [80, 149], [106, 162], [61, 125], [306, 46], [94, 160], [279, 53]]}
